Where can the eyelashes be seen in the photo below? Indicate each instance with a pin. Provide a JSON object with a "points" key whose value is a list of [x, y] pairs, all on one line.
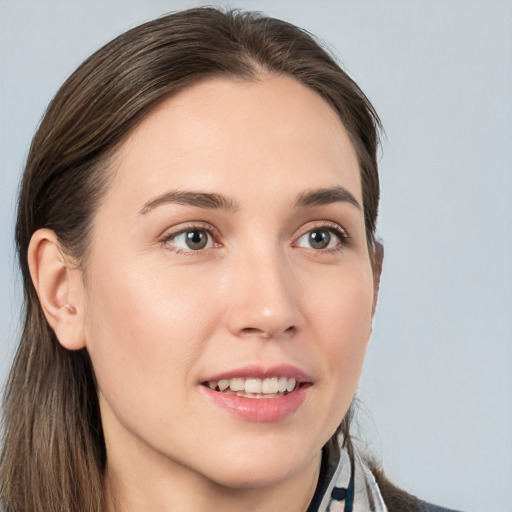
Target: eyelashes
{"points": [[192, 238], [196, 238], [323, 236]]}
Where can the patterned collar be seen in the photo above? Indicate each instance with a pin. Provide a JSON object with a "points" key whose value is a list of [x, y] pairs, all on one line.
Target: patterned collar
{"points": [[346, 484]]}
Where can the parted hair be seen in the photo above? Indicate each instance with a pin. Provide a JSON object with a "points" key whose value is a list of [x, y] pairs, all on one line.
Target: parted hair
{"points": [[53, 456]]}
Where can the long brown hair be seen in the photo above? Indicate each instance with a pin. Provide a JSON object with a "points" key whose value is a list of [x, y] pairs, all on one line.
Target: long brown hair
{"points": [[53, 456]]}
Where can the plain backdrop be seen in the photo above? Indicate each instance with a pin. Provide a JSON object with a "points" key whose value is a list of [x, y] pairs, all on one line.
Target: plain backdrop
{"points": [[437, 384]]}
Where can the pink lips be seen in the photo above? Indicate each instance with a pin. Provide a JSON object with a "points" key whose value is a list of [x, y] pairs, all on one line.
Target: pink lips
{"points": [[260, 409], [258, 372]]}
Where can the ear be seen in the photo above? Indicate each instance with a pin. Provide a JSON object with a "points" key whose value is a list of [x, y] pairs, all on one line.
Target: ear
{"points": [[59, 285], [378, 258]]}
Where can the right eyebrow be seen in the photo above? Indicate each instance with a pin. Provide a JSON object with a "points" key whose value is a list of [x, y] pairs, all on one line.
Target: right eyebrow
{"points": [[205, 200]]}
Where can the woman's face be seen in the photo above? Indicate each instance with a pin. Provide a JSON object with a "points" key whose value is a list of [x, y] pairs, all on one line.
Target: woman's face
{"points": [[229, 250]]}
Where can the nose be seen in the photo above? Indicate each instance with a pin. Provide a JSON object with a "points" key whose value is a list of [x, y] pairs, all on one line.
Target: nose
{"points": [[263, 298]]}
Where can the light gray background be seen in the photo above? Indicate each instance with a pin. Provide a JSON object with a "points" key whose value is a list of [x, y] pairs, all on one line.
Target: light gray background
{"points": [[438, 377]]}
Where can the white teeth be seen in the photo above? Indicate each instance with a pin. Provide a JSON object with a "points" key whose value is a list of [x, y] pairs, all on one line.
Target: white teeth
{"points": [[269, 385], [255, 388], [223, 384], [237, 384]]}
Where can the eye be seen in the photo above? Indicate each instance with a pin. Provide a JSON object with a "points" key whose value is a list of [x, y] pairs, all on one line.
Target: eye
{"points": [[322, 238], [190, 240]]}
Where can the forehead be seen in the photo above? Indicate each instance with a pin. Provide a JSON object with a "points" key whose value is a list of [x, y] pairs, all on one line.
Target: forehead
{"points": [[221, 133]]}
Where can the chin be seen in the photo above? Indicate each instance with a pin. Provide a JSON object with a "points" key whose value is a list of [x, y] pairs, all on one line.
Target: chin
{"points": [[255, 476], [261, 466]]}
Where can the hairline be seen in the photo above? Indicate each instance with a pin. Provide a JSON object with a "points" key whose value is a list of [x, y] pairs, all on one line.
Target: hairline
{"points": [[107, 164]]}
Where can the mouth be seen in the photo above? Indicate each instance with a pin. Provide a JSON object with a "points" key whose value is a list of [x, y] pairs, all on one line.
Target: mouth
{"points": [[257, 394], [270, 387]]}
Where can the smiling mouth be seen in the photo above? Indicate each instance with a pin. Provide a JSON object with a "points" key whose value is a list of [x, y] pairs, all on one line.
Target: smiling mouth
{"points": [[272, 387]]}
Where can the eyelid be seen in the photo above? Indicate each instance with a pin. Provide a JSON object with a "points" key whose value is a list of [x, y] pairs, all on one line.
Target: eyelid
{"points": [[173, 232], [334, 227], [190, 226]]}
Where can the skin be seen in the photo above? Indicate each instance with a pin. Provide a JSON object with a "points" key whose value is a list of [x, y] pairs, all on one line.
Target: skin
{"points": [[158, 317]]}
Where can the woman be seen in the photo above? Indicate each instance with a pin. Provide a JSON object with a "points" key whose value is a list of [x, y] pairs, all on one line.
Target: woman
{"points": [[196, 232]]}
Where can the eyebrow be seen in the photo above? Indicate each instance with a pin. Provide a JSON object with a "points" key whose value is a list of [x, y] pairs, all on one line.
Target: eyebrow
{"points": [[309, 198], [321, 196], [189, 198]]}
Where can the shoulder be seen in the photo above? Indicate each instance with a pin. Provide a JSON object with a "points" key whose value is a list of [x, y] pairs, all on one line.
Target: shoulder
{"points": [[350, 482], [398, 500]]}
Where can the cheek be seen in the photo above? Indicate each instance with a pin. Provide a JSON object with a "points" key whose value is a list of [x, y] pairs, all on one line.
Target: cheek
{"points": [[144, 327], [343, 316], [342, 307]]}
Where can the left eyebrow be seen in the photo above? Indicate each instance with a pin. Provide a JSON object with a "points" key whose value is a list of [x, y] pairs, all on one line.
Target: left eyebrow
{"points": [[321, 196]]}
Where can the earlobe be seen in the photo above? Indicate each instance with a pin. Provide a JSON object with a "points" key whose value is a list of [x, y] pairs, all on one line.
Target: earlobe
{"points": [[378, 258], [59, 287]]}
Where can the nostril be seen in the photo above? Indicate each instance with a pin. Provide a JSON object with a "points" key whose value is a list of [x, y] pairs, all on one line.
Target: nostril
{"points": [[267, 333], [251, 330], [254, 331]]}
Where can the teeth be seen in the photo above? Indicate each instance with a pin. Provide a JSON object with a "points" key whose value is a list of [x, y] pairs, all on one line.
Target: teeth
{"points": [[281, 384], [254, 388], [237, 384], [223, 384], [269, 385]]}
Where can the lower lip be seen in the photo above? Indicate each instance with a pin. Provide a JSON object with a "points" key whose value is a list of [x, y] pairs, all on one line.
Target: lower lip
{"points": [[259, 409]]}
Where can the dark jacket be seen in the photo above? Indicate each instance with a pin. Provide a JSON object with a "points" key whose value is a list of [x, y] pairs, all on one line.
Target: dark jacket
{"points": [[428, 507]]}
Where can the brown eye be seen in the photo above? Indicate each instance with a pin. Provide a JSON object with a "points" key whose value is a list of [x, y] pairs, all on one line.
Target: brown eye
{"points": [[322, 238], [196, 240], [191, 240], [319, 238]]}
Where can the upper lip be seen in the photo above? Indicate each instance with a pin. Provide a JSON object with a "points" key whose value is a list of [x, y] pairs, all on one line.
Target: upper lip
{"points": [[256, 371]]}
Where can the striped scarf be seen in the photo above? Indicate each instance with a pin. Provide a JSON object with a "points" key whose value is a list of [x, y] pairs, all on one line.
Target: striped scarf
{"points": [[346, 485]]}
